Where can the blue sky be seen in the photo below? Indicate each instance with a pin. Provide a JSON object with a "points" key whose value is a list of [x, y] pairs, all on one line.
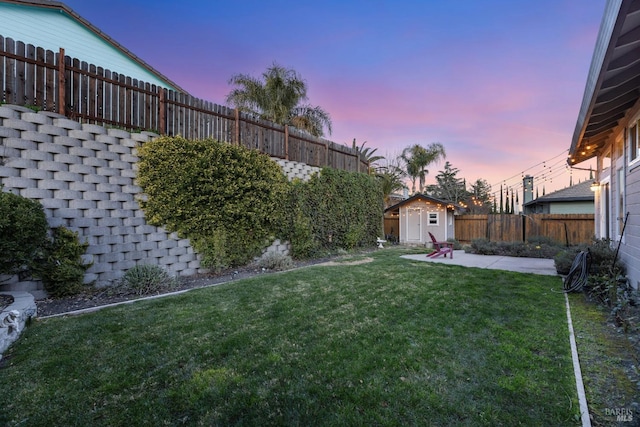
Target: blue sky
{"points": [[498, 82]]}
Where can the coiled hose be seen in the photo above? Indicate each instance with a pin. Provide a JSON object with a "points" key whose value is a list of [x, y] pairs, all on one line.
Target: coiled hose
{"points": [[578, 273]]}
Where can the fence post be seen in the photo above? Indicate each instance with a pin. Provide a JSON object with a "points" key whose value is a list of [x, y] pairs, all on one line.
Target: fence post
{"points": [[286, 142], [61, 84], [326, 154], [162, 110], [237, 133]]}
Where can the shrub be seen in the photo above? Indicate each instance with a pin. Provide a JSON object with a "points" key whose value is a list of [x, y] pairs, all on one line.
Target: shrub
{"points": [[276, 261], [563, 261], [601, 257], [227, 199], [146, 279], [63, 269], [516, 249], [542, 240], [482, 247], [333, 210], [23, 233], [456, 244]]}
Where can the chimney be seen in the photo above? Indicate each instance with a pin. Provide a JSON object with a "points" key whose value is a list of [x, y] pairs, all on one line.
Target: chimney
{"points": [[527, 188]]}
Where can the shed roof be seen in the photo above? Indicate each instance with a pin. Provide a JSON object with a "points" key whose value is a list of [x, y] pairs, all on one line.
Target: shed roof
{"points": [[419, 196]]}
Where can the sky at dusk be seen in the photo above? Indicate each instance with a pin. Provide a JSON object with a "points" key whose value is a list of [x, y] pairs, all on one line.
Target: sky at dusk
{"points": [[498, 82]]}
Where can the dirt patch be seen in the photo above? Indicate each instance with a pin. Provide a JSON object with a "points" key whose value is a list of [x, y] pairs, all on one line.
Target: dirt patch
{"points": [[5, 301], [92, 297], [355, 262]]}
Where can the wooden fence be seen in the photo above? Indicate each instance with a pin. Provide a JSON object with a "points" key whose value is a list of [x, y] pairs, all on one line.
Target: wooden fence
{"points": [[568, 229], [52, 81]]}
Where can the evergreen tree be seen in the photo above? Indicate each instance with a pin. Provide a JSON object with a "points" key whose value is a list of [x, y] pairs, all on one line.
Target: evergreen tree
{"points": [[448, 186]]}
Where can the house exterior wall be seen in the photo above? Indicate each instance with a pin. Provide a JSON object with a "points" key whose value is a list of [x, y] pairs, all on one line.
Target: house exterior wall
{"points": [[619, 194], [571, 208], [420, 217], [52, 29]]}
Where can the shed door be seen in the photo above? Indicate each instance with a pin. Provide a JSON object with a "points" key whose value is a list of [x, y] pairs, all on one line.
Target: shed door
{"points": [[414, 225]]}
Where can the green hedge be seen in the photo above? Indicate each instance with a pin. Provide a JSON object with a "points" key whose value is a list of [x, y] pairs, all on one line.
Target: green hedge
{"points": [[231, 202], [334, 210], [23, 233], [227, 199]]}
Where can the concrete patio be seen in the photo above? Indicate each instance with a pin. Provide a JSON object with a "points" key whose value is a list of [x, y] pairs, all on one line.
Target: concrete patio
{"points": [[495, 262]]}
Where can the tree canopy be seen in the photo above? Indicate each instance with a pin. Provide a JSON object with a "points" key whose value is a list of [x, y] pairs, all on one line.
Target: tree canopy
{"points": [[449, 187], [280, 96], [417, 158]]}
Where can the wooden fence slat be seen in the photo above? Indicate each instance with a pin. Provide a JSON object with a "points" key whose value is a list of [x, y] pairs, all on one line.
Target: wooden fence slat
{"points": [[2, 68], [50, 81], [39, 78], [128, 102], [2, 60], [115, 98], [170, 116], [100, 95], [20, 74], [135, 112], [83, 105], [9, 72], [123, 112], [30, 77], [92, 82], [147, 108]]}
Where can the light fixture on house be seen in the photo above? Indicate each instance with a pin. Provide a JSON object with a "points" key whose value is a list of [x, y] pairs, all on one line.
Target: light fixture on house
{"points": [[595, 186]]}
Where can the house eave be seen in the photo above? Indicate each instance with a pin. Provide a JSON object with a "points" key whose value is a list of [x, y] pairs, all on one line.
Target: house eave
{"points": [[56, 5], [613, 82]]}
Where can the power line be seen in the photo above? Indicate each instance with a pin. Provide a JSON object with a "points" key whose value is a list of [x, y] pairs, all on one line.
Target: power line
{"points": [[543, 163]]}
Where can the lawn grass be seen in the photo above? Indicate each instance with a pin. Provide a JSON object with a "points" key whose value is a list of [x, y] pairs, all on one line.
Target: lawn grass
{"points": [[606, 356], [389, 342]]}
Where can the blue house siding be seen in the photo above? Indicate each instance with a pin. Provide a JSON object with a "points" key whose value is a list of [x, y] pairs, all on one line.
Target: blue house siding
{"points": [[54, 28]]}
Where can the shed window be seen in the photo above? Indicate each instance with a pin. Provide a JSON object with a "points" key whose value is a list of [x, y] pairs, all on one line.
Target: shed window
{"points": [[433, 218]]}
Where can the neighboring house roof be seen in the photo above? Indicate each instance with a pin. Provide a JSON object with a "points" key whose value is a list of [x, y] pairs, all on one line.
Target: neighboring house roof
{"points": [[424, 197], [53, 25], [613, 80], [576, 193]]}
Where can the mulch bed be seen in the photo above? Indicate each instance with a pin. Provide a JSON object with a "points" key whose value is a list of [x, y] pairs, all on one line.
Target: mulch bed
{"points": [[5, 301], [99, 297]]}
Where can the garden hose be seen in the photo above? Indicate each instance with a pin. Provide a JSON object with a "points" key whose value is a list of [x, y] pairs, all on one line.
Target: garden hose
{"points": [[578, 273]]}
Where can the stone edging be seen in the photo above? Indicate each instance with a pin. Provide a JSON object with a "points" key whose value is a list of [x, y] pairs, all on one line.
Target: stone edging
{"points": [[14, 318]]}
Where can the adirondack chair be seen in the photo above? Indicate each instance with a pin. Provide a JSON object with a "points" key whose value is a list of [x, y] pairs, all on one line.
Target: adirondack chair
{"points": [[440, 248]]}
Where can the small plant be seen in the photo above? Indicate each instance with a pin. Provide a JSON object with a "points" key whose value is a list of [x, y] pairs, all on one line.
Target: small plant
{"points": [[146, 279], [456, 244], [563, 261], [538, 249], [276, 261], [63, 269], [482, 247]]}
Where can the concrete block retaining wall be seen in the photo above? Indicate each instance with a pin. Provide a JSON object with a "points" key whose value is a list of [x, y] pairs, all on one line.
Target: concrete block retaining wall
{"points": [[84, 176]]}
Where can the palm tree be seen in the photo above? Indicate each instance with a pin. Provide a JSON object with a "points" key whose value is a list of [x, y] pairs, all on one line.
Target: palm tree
{"points": [[390, 179], [367, 154], [417, 158], [279, 97]]}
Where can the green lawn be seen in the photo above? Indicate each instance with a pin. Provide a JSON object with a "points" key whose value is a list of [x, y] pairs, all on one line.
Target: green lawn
{"points": [[390, 342]]}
